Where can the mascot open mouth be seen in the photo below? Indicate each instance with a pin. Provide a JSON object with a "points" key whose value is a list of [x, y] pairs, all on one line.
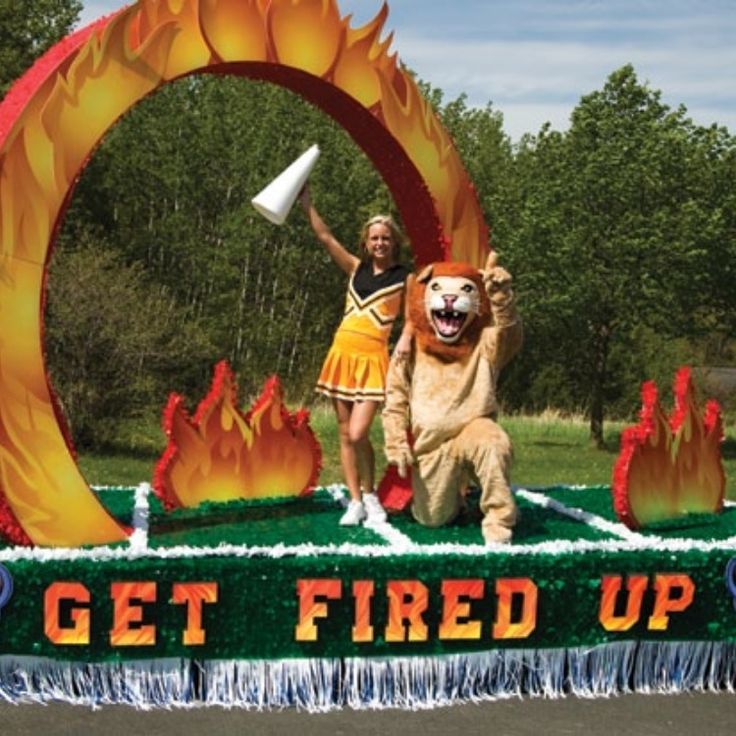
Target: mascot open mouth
{"points": [[451, 304], [448, 324]]}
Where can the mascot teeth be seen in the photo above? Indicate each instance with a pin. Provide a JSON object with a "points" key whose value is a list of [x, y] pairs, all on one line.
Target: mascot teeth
{"points": [[448, 323]]}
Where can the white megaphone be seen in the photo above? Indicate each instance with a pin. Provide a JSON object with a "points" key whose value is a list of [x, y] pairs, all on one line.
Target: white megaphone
{"points": [[275, 201]]}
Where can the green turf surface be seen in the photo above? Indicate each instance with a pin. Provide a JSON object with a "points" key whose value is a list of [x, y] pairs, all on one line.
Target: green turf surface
{"points": [[315, 519], [120, 502], [305, 520], [697, 526], [535, 524], [597, 500], [593, 499]]}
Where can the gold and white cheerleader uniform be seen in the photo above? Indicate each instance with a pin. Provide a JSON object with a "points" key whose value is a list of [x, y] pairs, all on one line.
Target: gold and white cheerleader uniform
{"points": [[356, 364]]}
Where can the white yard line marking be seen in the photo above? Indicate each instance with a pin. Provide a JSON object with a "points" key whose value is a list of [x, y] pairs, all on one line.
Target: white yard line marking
{"points": [[397, 540], [139, 538], [592, 520], [339, 494]]}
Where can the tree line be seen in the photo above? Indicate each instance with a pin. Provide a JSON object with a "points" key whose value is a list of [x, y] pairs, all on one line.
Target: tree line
{"points": [[620, 234]]}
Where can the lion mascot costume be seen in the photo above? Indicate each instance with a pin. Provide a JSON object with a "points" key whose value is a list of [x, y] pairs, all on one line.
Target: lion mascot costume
{"points": [[466, 329]]}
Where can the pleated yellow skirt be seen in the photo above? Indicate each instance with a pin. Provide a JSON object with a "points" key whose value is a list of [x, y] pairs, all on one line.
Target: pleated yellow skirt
{"points": [[355, 368]]}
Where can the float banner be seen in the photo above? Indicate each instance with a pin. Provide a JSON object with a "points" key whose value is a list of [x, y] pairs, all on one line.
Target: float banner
{"points": [[334, 606]]}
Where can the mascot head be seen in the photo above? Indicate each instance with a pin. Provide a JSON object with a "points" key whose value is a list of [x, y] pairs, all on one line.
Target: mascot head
{"points": [[449, 307]]}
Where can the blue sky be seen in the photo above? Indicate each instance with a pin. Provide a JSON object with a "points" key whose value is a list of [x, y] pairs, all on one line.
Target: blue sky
{"points": [[534, 59]]}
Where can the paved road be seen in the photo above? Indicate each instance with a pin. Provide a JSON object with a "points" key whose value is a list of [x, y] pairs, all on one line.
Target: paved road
{"points": [[650, 715]]}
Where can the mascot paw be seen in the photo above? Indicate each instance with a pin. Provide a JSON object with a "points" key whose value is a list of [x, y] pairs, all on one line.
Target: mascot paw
{"points": [[496, 534], [403, 460], [495, 278]]}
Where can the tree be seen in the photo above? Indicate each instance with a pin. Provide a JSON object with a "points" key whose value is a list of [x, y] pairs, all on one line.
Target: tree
{"points": [[115, 344], [27, 29], [170, 187], [716, 172], [611, 231], [618, 232]]}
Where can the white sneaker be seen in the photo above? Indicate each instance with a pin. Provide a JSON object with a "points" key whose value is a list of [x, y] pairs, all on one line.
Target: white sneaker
{"points": [[354, 514], [375, 513]]}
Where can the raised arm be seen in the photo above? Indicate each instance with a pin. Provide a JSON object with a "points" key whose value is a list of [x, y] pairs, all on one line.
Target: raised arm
{"points": [[342, 257], [506, 333]]}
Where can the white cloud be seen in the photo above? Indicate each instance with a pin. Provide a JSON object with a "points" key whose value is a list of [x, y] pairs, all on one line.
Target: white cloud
{"points": [[520, 118], [535, 59], [534, 77]]}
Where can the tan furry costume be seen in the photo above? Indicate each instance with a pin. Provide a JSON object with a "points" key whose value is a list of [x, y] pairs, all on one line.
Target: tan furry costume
{"points": [[445, 393]]}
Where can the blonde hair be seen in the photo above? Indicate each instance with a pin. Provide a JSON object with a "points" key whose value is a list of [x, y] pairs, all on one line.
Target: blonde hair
{"points": [[396, 235]]}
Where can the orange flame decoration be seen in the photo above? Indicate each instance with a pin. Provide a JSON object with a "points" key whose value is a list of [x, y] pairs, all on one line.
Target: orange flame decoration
{"points": [[668, 468], [51, 121], [223, 454]]}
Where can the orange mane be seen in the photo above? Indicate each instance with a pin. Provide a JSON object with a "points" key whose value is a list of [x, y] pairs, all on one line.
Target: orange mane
{"points": [[426, 339]]}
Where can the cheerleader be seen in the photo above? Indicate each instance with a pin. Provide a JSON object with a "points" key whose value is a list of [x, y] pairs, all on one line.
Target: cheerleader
{"points": [[354, 372]]}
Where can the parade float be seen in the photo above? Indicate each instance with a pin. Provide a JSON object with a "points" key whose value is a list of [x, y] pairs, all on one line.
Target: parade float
{"points": [[225, 579]]}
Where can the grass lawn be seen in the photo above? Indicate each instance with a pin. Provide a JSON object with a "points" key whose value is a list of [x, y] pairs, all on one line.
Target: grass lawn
{"points": [[548, 451]]}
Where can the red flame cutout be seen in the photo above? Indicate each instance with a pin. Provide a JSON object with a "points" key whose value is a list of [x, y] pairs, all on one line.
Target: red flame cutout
{"points": [[670, 468]]}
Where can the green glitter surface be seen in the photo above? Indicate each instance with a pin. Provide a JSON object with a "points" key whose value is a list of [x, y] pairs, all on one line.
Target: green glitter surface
{"points": [[315, 519], [697, 526]]}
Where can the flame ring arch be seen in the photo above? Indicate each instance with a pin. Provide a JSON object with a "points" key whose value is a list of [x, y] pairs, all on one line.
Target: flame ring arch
{"points": [[54, 116]]}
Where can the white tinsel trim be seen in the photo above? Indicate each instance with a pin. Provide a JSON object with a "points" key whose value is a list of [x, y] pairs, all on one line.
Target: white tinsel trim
{"points": [[279, 551], [421, 682], [144, 684]]}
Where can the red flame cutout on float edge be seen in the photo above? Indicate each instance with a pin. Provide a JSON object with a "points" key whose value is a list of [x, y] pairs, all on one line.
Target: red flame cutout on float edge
{"points": [[669, 468], [222, 454]]}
